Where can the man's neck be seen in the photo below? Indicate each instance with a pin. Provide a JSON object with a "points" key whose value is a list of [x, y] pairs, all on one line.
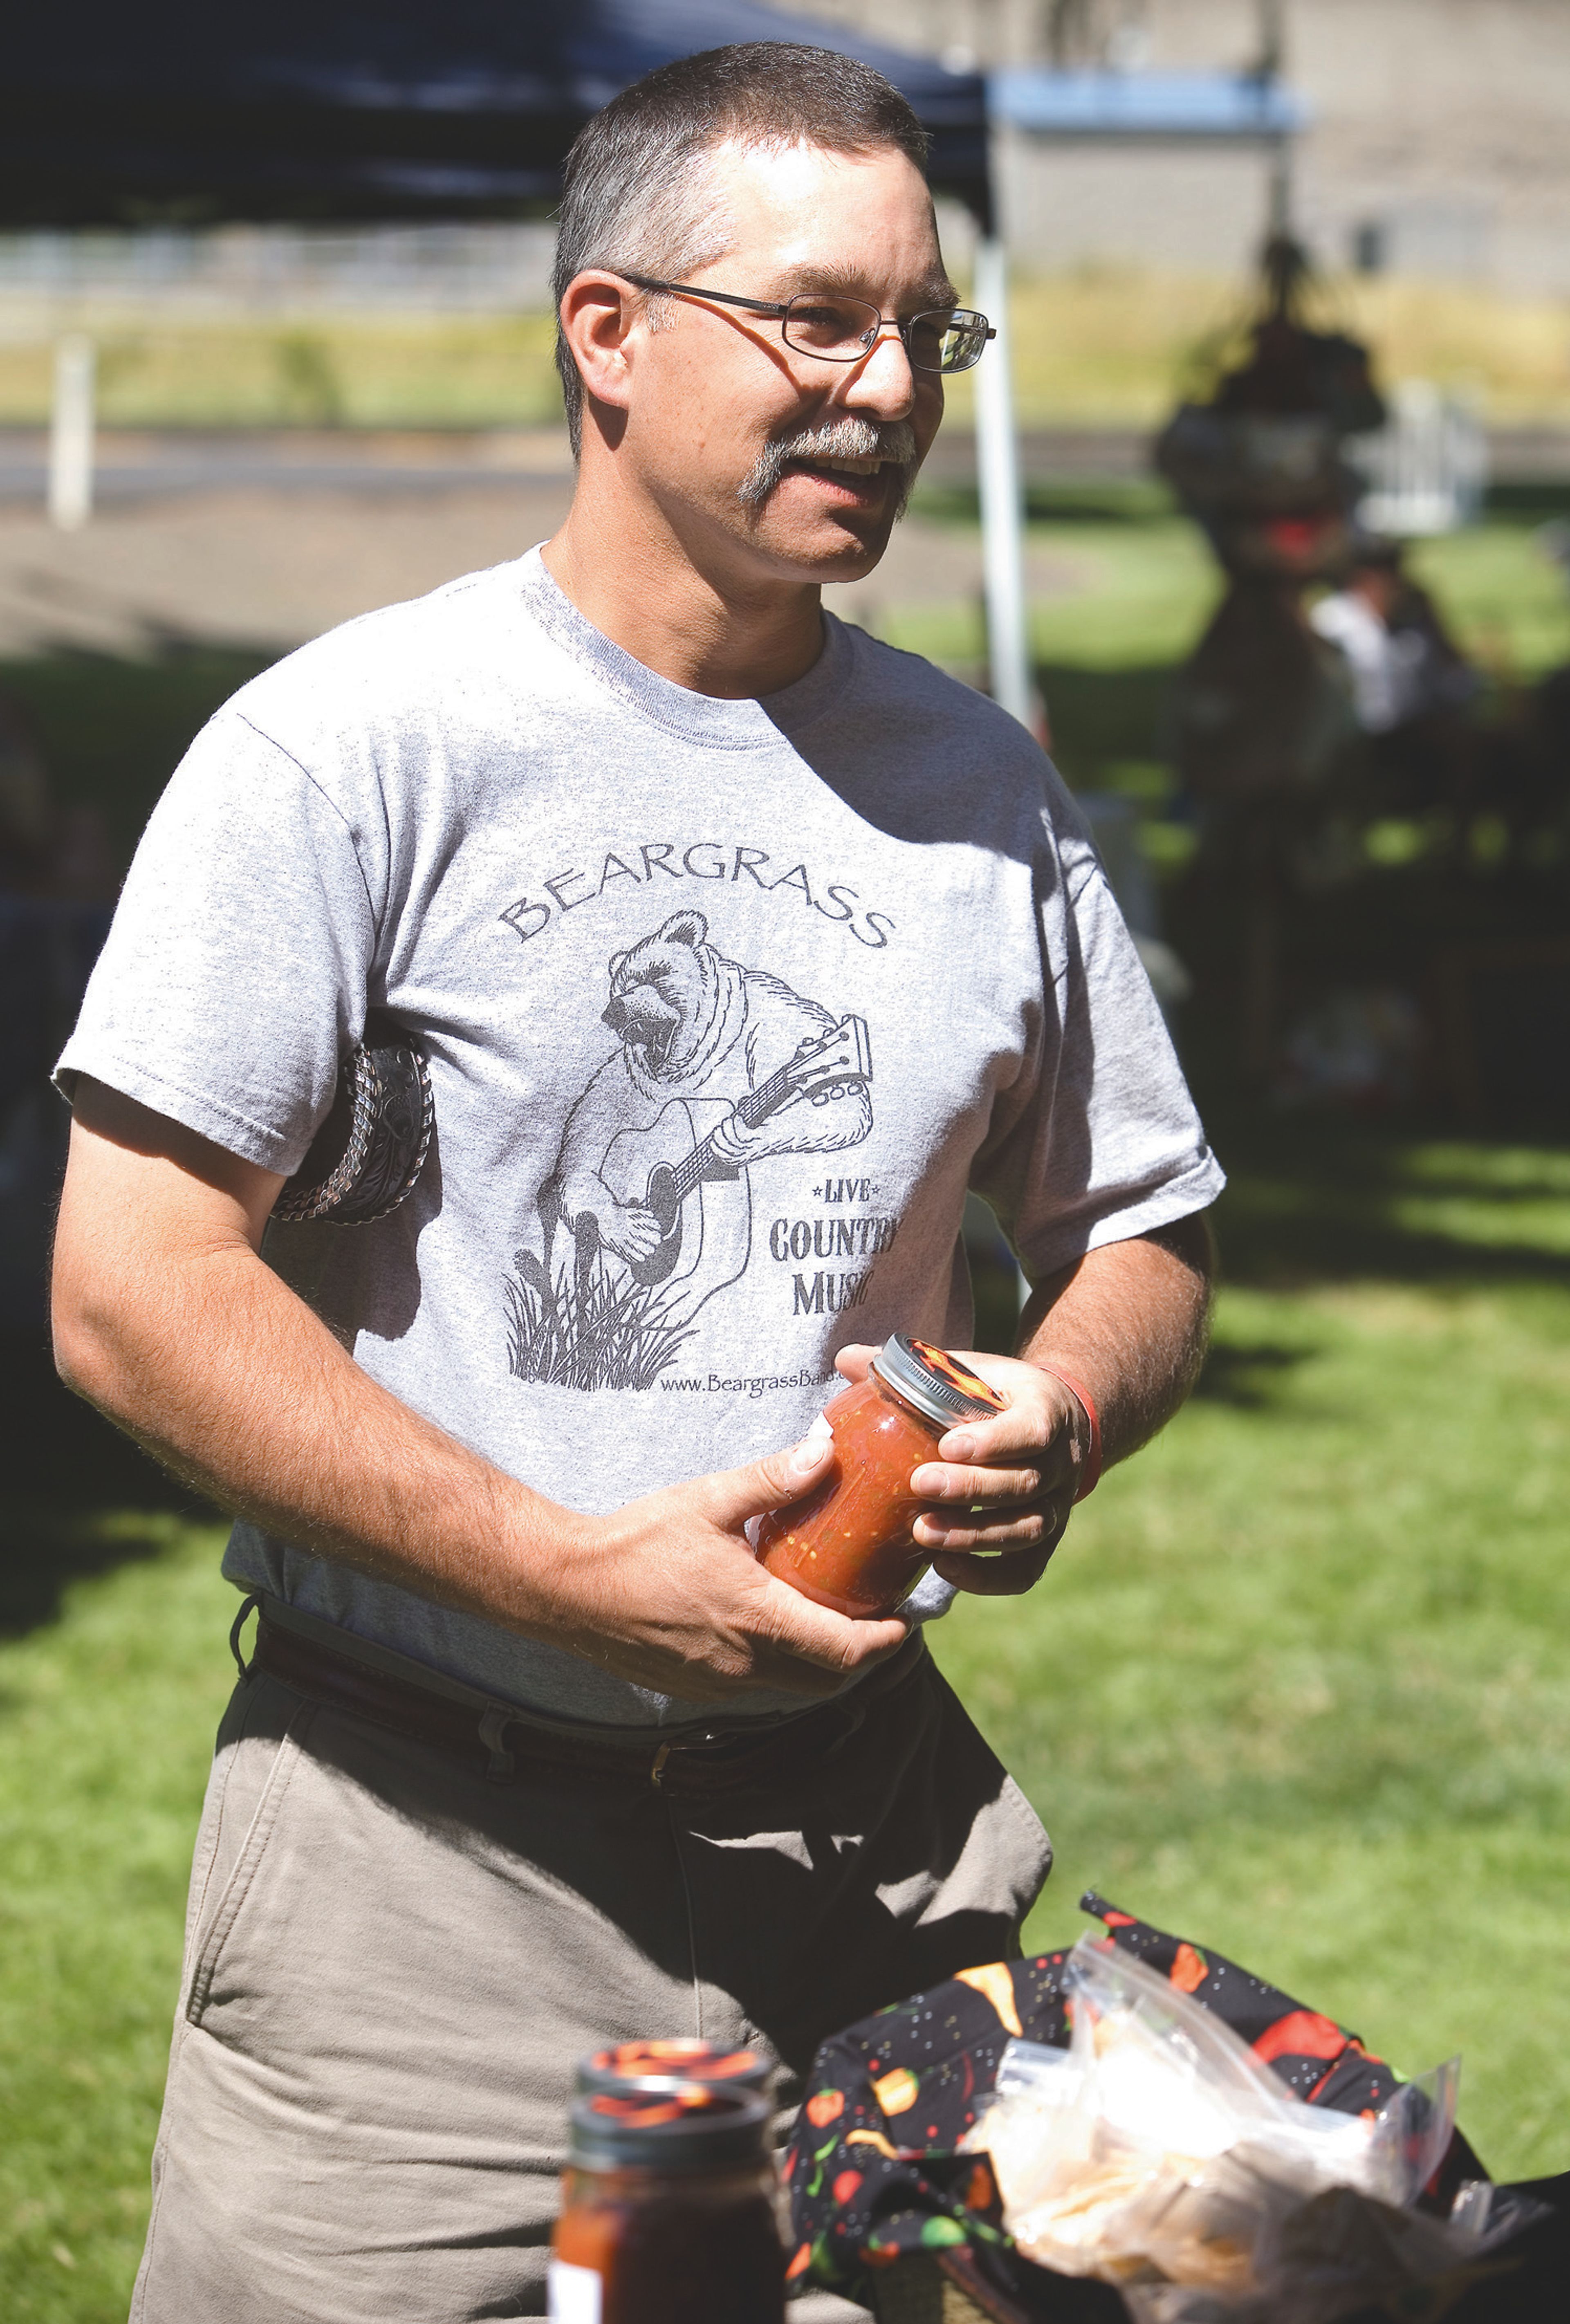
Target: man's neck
{"points": [[625, 567]]}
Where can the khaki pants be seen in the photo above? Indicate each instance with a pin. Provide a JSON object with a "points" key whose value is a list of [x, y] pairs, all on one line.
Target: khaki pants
{"points": [[392, 1964]]}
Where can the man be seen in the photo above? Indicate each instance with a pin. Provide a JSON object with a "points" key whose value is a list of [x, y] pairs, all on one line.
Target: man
{"points": [[532, 1754]]}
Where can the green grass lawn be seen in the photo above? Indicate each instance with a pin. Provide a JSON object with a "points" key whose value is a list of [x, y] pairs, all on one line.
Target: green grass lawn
{"points": [[1096, 347], [1297, 1685]]}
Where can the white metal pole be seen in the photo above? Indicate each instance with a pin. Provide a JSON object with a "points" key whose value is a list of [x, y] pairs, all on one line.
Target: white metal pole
{"points": [[70, 436], [997, 477]]}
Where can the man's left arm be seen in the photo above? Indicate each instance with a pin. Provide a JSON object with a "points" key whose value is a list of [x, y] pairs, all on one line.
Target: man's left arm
{"points": [[1127, 1323]]}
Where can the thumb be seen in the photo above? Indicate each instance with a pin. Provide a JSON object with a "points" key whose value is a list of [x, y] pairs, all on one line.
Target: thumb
{"points": [[737, 1494]]}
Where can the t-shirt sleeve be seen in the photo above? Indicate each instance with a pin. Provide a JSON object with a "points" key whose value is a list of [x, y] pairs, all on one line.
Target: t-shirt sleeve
{"points": [[234, 978], [1100, 1140]]}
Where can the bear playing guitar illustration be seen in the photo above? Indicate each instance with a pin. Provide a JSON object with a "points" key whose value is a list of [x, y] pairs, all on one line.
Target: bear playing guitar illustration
{"points": [[649, 1212]]}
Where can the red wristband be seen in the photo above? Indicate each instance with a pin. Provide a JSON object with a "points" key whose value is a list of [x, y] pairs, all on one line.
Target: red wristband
{"points": [[1090, 1476]]}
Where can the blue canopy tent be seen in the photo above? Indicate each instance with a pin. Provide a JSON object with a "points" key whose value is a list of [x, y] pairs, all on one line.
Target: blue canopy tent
{"points": [[266, 109]]}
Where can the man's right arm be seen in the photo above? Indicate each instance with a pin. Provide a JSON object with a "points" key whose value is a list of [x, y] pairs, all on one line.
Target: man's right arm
{"points": [[168, 1320]]}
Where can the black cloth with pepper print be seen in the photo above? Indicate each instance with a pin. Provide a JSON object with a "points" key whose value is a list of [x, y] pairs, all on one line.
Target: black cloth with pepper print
{"points": [[873, 2170]]}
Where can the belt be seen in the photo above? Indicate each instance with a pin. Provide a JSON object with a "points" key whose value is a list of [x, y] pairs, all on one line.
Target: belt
{"points": [[501, 1742]]}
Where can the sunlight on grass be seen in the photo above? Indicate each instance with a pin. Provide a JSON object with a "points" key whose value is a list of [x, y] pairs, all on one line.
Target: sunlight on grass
{"points": [[1094, 346], [1505, 599], [106, 1724], [365, 371], [1151, 587], [1296, 1685]]}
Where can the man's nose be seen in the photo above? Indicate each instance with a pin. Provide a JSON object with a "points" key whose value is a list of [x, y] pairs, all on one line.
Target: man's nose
{"points": [[883, 381]]}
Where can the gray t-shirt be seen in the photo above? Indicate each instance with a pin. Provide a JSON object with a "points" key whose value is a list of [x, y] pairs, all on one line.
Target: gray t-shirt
{"points": [[611, 910]]}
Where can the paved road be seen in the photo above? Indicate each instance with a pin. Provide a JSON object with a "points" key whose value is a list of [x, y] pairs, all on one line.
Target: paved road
{"points": [[156, 463], [269, 565], [268, 537], [159, 464]]}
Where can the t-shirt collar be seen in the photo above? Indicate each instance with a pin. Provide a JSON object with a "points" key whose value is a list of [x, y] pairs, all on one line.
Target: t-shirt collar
{"points": [[755, 722]]}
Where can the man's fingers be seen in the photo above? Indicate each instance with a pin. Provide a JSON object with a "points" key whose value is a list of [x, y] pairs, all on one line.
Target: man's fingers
{"points": [[734, 1495], [854, 1363], [996, 1577], [941, 1481], [816, 1634], [1013, 1530]]}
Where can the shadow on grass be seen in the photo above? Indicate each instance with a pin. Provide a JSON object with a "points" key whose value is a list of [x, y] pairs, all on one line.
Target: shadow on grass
{"points": [[1527, 501], [78, 1497], [1100, 718], [1249, 1378], [1318, 1198], [113, 729]]}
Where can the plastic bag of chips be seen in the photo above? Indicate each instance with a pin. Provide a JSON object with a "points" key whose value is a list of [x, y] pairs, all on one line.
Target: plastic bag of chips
{"points": [[1158, 2152]]}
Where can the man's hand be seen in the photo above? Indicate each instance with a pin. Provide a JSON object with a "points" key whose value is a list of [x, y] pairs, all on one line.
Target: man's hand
{"points": [[1129, 1319], [666, 1593], [1002, 1487]]}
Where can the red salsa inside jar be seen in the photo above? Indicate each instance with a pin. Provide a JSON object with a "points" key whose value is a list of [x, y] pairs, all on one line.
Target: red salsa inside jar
{"points": [[848, 1543], [667, 2211]]}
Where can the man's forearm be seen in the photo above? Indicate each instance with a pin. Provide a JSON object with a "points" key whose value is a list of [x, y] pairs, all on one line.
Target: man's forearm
{"points": [[248, 1398], [1129, 1320], [206, 1358]]}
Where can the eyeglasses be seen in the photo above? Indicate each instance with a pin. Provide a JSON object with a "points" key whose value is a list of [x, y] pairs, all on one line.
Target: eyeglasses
{"points": [[843, 330]]}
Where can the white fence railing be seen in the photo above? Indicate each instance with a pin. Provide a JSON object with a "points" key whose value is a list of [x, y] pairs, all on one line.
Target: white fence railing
{"points": [[1427, 469]]}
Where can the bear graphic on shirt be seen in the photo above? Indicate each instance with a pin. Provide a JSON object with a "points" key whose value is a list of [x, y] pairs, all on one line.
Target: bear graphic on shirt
{"points": [[696, 1033], [647, 1212]]}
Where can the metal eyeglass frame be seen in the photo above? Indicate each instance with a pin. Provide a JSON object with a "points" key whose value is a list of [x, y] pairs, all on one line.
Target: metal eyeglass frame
{"points": [[781, 309]]}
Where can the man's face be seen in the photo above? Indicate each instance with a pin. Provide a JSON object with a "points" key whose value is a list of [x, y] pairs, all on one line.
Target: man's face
{"points": [[716, 397]]}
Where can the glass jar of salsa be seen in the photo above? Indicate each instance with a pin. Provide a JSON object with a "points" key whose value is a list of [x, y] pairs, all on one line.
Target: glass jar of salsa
{"points": [[848, 1543], [667, 2211], [664, 2065]]}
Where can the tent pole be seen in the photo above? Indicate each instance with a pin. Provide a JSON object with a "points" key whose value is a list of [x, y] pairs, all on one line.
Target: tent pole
{"points": [[997, 477], [70, 435]]}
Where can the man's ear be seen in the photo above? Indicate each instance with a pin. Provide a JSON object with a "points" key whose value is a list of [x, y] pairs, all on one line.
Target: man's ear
{"points": [[599, 314]]}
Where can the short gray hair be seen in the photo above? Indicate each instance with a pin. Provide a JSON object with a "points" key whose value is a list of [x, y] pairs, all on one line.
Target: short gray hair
{"points": [[636, 181]]}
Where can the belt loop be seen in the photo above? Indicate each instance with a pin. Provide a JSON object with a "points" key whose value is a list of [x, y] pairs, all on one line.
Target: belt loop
{"points": [[241, 1665], [493, 1726]]}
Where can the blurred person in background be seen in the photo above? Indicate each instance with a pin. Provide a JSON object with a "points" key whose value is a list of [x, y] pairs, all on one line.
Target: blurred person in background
{"points": [[1412, 688], [530, 1754]]}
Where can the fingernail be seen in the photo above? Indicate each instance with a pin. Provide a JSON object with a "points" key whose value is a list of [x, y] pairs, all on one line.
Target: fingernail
{"points": [[808, 1454], [959, 1448]]}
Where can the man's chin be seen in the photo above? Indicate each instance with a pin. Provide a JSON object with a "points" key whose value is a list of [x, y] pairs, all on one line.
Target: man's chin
{"points": [[833, 549]]}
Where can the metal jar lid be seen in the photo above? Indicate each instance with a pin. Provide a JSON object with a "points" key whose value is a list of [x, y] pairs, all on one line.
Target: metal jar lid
{"points": [[695, 2126], [937, 1384], [667, 2065]]}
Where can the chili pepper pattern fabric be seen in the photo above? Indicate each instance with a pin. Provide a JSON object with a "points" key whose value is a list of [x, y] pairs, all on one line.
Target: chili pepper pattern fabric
{"points": [[874, 2172]]}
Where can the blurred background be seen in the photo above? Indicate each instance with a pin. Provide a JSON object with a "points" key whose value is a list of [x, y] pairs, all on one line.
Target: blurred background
{"points": [[1271, 542]]}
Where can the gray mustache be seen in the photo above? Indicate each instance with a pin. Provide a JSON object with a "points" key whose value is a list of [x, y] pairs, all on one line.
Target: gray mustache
{"points": [[849, 437]]}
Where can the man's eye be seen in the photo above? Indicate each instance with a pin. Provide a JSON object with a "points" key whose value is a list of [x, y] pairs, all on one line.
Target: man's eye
{"points": [[833, 319]]}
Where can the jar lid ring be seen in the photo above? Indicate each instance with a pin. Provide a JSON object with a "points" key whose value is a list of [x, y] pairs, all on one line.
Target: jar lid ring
{"points": [[931, 1379]]}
